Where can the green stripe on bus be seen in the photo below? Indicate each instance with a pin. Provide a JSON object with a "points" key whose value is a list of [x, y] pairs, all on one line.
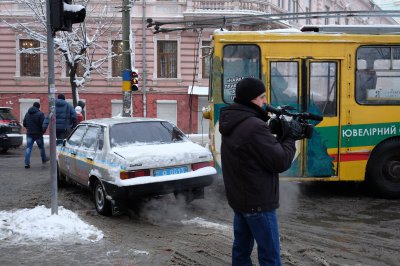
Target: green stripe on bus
{"points": [[358, 135]]}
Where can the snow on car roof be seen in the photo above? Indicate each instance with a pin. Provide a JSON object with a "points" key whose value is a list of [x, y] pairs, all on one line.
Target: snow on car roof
{"points": [[119, 120]]}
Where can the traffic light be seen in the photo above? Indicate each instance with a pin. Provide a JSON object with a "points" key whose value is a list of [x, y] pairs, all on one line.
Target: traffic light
{"points": [[134, 81], [63, 14]]}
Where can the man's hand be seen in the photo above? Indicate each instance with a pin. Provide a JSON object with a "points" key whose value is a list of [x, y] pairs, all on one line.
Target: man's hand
{"points": [[296, 130]]}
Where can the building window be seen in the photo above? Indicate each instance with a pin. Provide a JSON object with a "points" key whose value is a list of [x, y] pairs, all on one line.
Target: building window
{"points": [[167, 59], [30, 58], [80, 71], [205, 59], [117, 64], [296, 8], [327, 9], [308, 20]]}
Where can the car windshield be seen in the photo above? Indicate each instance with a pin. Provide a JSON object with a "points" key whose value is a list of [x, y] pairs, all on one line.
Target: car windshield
{"points": [[5, 114], [141, 133]]}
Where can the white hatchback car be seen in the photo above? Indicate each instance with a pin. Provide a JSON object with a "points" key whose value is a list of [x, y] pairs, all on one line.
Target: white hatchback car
{"points": [[125, 159]]}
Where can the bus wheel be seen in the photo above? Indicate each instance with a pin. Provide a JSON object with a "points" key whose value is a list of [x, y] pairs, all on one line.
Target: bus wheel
{"points": [[383, 169]]}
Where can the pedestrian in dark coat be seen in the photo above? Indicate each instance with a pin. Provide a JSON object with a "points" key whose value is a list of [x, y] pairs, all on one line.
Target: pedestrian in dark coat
{"points": [[66, 118], [33, 121], [252, 157]]}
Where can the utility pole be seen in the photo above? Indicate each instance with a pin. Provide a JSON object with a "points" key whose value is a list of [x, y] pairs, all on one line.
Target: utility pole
{"points": [[126, 60], [60, 16], [52, 112], [144, 67]]}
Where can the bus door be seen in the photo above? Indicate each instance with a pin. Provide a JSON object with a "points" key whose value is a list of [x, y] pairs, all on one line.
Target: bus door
{"points": [[310, 86]]}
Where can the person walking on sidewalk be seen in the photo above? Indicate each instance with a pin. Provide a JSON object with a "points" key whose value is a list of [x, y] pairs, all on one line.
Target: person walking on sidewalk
{"points": [[33, 121]]}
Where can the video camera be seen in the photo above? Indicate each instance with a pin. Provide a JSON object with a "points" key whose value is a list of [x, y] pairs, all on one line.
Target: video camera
{"points": [[298, 127]]}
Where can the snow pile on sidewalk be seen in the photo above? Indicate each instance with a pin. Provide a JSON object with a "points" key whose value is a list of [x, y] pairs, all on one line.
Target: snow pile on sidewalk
{"points": [[39, 224]]}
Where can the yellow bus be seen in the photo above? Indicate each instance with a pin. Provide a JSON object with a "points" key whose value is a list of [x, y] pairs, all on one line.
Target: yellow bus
{"points": [[349, 75]]}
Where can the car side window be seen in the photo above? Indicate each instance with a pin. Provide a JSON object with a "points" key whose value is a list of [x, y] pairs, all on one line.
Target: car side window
{"points": [[76, 137], [89, 141], [101, 139]]}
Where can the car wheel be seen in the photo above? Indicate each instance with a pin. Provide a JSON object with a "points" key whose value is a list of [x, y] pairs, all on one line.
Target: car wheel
{"points": [[103, 206], [383, 169], [4, 149]]}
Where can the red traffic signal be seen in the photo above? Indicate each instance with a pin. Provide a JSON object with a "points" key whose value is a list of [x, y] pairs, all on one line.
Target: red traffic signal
{"points": [[134, 81]]}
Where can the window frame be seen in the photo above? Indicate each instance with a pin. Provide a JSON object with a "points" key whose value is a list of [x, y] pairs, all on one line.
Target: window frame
{"points": [[171, 71], [177, 39], [360, 95], [335, 79], [35, 60], [295, 75], [80, 71], [230, 87], [204, 69], [116, 60]]}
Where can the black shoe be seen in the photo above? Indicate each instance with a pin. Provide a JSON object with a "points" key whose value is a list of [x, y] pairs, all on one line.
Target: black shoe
{"points": [[46, 160], [27, 166]]}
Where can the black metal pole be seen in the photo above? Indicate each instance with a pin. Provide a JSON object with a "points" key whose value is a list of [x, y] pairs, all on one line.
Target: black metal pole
{"points": [[52, 114]]}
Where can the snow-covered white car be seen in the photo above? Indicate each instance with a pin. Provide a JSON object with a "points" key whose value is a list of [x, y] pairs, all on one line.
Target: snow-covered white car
{"points": [[126, 159]]}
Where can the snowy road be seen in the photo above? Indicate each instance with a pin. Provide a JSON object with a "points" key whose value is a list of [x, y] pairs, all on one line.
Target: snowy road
{"points": [[329, 224]]}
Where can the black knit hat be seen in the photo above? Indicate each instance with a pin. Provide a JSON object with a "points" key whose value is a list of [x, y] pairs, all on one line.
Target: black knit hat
{"points": [[247, 89], [36, 104], [61, 96]]}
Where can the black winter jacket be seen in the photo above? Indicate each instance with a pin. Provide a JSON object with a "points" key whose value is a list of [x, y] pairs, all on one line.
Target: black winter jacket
{"points": [[252, 157], [33, 121]]}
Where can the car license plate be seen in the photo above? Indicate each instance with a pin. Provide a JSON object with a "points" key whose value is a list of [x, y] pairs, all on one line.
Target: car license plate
{"points": [[170, 171], [14, 129]]}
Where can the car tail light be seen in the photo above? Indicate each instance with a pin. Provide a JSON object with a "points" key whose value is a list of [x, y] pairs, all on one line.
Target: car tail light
{"points": [[133, 174], [197, 166]]}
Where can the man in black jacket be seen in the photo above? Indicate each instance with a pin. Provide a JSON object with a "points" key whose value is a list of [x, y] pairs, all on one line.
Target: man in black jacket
{"points": [[33, 121], [252, 157]]}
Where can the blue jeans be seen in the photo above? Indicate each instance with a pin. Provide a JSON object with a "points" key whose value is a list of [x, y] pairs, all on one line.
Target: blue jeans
{"points": [[261, 227], [30, 139]]}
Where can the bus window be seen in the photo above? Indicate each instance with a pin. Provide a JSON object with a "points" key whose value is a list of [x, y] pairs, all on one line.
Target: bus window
{"points": [[284, 78], [378, 75], [323, 77], [239, 61]]}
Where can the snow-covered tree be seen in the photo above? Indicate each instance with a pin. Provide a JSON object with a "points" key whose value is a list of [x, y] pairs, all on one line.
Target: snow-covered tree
{"points": [[79, 49]]}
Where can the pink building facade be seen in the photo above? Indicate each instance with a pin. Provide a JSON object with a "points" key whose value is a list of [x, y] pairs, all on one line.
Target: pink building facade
{"points": [[173, 66]]}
